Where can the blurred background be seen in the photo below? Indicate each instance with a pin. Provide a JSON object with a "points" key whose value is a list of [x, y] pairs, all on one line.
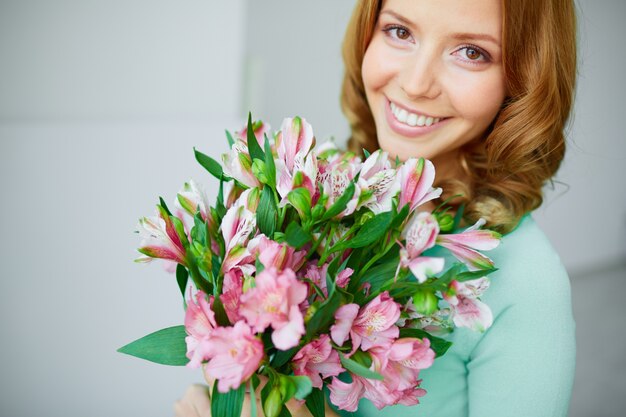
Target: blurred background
{"points": [[101, 103]]}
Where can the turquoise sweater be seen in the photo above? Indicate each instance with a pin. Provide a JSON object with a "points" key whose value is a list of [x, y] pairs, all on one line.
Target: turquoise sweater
{"points": [[523, 366]]}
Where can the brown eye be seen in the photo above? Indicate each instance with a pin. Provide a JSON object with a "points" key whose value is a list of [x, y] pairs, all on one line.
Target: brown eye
{"points": [[472, 54], [402, 34]]}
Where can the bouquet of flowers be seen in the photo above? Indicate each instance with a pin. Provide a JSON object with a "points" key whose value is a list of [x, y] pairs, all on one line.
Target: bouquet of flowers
{"points": [[314, 269]]}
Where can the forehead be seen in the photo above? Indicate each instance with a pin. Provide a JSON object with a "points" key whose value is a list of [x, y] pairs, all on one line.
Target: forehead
{"points": [[448, 16]]}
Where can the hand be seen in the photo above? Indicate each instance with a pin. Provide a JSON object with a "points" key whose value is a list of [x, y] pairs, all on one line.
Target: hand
{"points": [[196, 402]]}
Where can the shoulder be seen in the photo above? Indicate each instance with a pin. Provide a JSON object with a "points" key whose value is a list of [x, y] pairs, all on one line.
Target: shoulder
{"points": [[529, 270]]}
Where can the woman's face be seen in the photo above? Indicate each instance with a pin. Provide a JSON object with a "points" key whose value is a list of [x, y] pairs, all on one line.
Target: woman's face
{"points": [[433, 75]]}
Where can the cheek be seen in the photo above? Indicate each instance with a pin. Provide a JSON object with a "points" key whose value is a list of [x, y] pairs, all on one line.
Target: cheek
{"points": [[374, 72], [478, 97]]}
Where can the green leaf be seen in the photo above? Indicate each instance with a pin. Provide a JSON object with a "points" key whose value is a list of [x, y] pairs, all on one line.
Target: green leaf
{"points": [[220, 314], [303, 386], [458, 216], [379, 275], [370, 232], [324, 315], [296, 236], [270, 166], [200, 229], [220, 209], [300, 198], [315, 402], [254, 382], [166, 347], [341, 203], [283, 356], [437, 344], [470, 275], [182, 276], [210, 164], [267, 214], [229, 404], [229, 138], [164, 206], [400, 217], [366, 153], [253, 144], [358, 369]]}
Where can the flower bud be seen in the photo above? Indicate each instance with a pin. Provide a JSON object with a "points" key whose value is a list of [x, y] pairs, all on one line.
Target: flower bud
{"points": [[318, 211], [248, 282], [309, 313], [273, 403], [425, 302], [258, 170], [365, 217], [300, 198], [446, 222]]}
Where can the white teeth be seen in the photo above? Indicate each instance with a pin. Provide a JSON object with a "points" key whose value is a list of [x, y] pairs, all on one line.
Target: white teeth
{"points": [[412, 119], [402, 115]]}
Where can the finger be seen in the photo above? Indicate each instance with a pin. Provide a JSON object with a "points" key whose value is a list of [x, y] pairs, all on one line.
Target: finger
{"points": [[184, 409]]}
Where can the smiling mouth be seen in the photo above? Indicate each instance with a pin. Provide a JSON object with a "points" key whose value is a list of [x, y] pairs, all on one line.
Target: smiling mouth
{"points": [[412, 119]]}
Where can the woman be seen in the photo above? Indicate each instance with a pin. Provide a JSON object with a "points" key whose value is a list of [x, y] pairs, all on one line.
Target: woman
{"points": [[484, 89]]}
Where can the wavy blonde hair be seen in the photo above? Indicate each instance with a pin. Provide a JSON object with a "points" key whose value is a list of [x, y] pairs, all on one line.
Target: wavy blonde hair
{"points": [[525, 144]]}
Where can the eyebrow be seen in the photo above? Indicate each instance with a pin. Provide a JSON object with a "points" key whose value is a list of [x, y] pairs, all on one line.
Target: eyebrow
{"points": [[457, 36]]}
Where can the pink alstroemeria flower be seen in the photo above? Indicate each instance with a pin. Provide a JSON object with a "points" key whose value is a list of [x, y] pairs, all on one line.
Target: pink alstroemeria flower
{"points": [[317, 274], [238, 164], [235, 355], [378, 183], [465, 245], [237, 225], [466, 309], [346, 395], [259, 128], [160, 239], [296, 165], [294, 142], [420, 234], [232, 289], [191, 198], [373, 325], [401, 362], [199, 324], [335, 175], [317, 360], [277, 255], [416, 183], [275, 301]]}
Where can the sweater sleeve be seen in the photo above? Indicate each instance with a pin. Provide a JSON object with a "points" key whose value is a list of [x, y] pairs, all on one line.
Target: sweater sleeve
{"points": [[524, 364]]}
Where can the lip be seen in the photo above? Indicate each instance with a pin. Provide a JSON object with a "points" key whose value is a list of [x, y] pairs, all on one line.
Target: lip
{"points": [[406, 130]]}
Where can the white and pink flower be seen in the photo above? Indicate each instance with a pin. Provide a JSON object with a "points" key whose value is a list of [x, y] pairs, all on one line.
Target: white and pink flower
{"points": [[465, 245], [370, 326], [160, 239], [275, 301], [238, 224], [235, 354], [378, 183], [199, 324], [466, 310], [317, 360], [416, 183]]}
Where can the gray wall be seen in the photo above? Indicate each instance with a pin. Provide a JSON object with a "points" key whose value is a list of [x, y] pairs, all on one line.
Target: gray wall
{"points": [[101, 103]]}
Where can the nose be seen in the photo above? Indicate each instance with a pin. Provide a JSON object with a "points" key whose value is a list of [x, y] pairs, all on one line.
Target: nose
{"points": [[419, 77]]}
